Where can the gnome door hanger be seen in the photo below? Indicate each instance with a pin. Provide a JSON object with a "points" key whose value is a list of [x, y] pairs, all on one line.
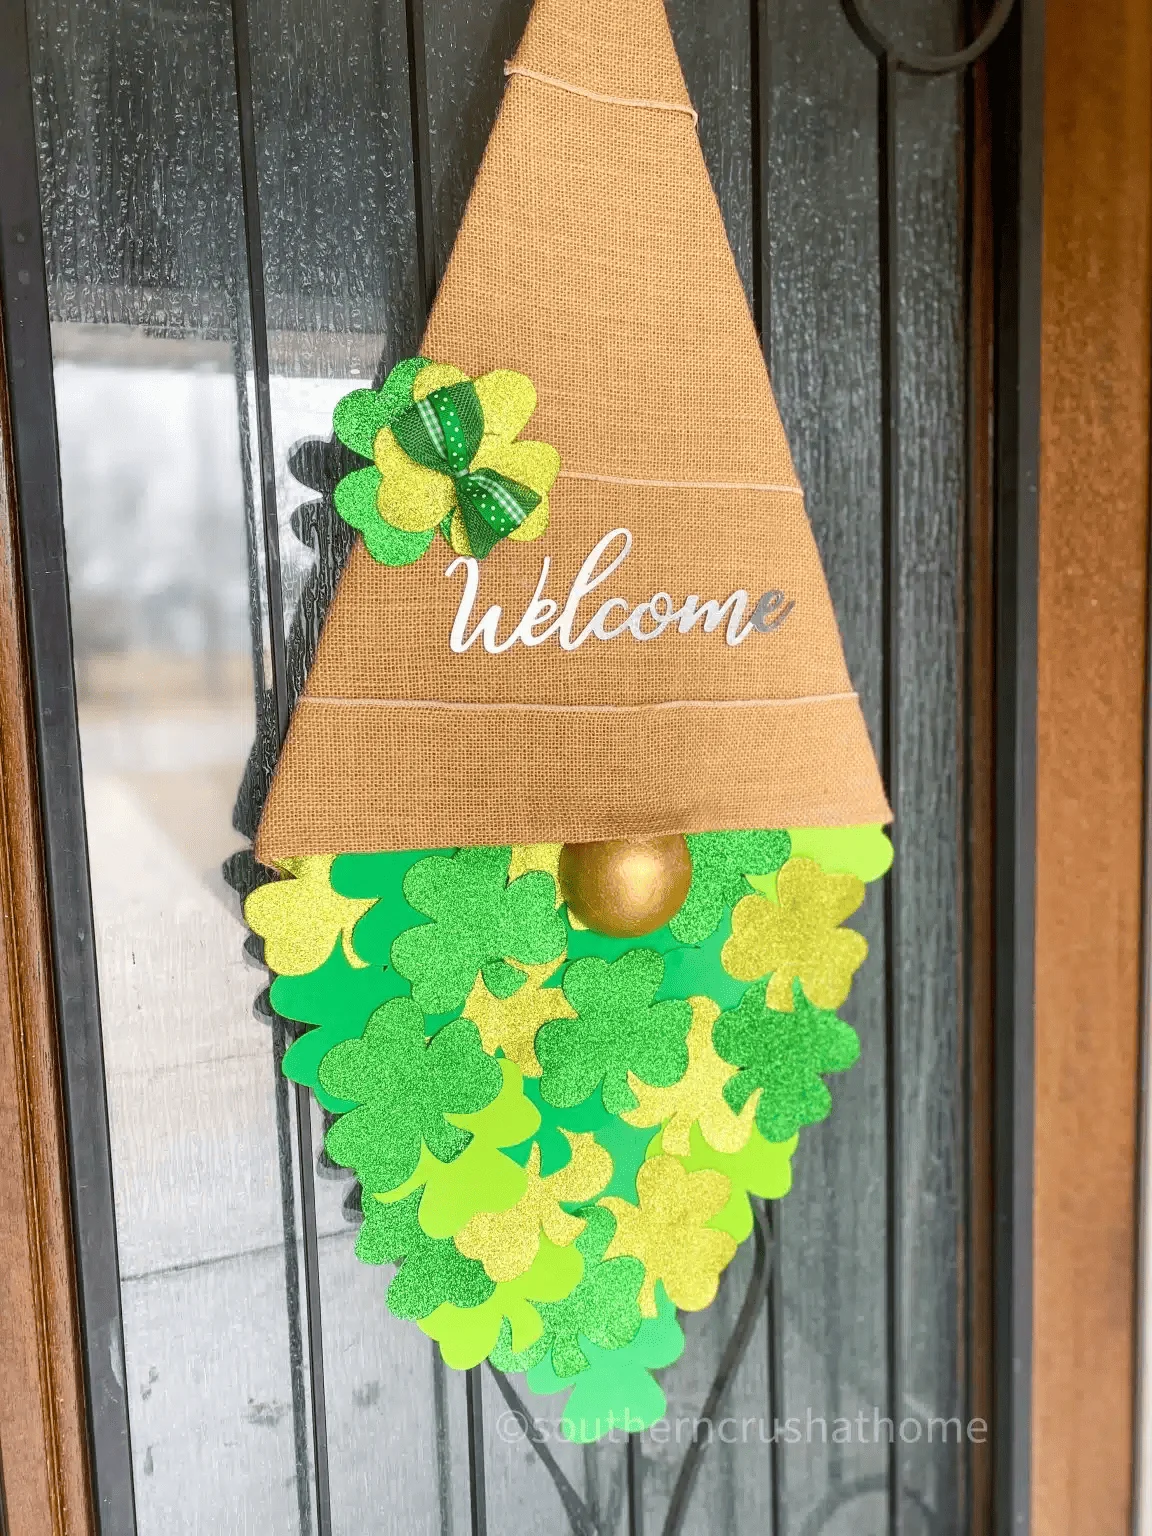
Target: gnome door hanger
{"points": [[578, 796]]}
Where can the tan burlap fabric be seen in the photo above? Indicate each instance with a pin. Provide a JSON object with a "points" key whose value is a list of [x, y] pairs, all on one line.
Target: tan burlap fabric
{"points": [[594, 259]]}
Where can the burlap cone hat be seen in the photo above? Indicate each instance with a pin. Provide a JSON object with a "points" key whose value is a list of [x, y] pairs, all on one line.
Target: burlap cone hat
{"points": [[593, 259]]}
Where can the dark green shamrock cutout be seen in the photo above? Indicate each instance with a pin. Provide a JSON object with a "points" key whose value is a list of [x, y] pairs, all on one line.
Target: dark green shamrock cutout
{"points": [[603, 1307], [784, 1055], [720, 860], [339, 999], [618, 1029], [690, 970], [404, 1085], [625, 1144], [555, 1148], [477, 917], [695, 970], [379, 876], [432, 1269]]}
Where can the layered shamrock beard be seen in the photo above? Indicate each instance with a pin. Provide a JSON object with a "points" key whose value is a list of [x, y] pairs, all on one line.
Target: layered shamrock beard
{"points": [[557, 1133]]}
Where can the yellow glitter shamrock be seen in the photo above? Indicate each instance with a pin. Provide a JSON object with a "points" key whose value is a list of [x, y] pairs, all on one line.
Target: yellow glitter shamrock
{"points": [[300, 919], [762, 1168], [668, 1232], [544, 856], [510, 1023], [507, 1242], [798, 936], [416, 499], [698, 1098]]}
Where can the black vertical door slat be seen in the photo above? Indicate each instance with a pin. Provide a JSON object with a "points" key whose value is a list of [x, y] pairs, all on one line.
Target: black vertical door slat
{"points": [[1017, 191], [690, 1482], [760, 52], [889, 346], [477, 1480], [314, 1336], [427, 273], [822, 262], [428, 276], [927, 563], [334, 119]]}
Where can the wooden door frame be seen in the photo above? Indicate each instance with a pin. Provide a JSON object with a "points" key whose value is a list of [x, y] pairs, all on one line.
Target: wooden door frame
{"points": [[1091, 796], [1081, 1224]]}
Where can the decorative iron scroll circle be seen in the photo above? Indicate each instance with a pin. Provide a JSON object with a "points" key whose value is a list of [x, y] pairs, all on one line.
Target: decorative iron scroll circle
{"points": [[872, 35], [580, 1518]]}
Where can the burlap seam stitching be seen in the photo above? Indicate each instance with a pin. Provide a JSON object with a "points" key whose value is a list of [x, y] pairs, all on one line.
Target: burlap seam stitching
{"points": [[581, 709], [610, 101]]}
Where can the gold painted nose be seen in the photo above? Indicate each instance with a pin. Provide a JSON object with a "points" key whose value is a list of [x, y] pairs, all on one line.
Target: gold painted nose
{"points": [[626, 888]]}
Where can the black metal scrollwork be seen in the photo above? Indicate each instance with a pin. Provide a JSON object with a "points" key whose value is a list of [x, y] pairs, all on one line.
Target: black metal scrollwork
{"points": [[871, 34], [584, 1521]]}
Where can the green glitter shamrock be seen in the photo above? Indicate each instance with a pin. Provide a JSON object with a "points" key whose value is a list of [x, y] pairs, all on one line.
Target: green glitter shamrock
{"points": [[357, 420], [784, 1055], [477, 919], [603, 1307], [720, 861], [617, 1391], [618, 1029], [404, 1085], [432, 1269]]}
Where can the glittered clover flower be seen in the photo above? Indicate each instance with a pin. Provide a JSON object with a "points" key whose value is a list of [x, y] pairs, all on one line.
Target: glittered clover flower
{"points": [[477, 923], [404, 1085], [798, 936], [445, 454]]}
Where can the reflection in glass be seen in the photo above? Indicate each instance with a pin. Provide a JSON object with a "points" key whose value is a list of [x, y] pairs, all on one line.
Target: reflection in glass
{"points": [[155, 520]]}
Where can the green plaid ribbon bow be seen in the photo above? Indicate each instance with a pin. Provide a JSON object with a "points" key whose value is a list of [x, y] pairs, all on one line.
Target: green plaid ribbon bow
{"points": [[443, 432]]}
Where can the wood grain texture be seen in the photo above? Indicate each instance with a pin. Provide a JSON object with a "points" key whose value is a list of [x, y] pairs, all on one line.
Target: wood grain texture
{"points": [[42, 1429], [1097, 270]]}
